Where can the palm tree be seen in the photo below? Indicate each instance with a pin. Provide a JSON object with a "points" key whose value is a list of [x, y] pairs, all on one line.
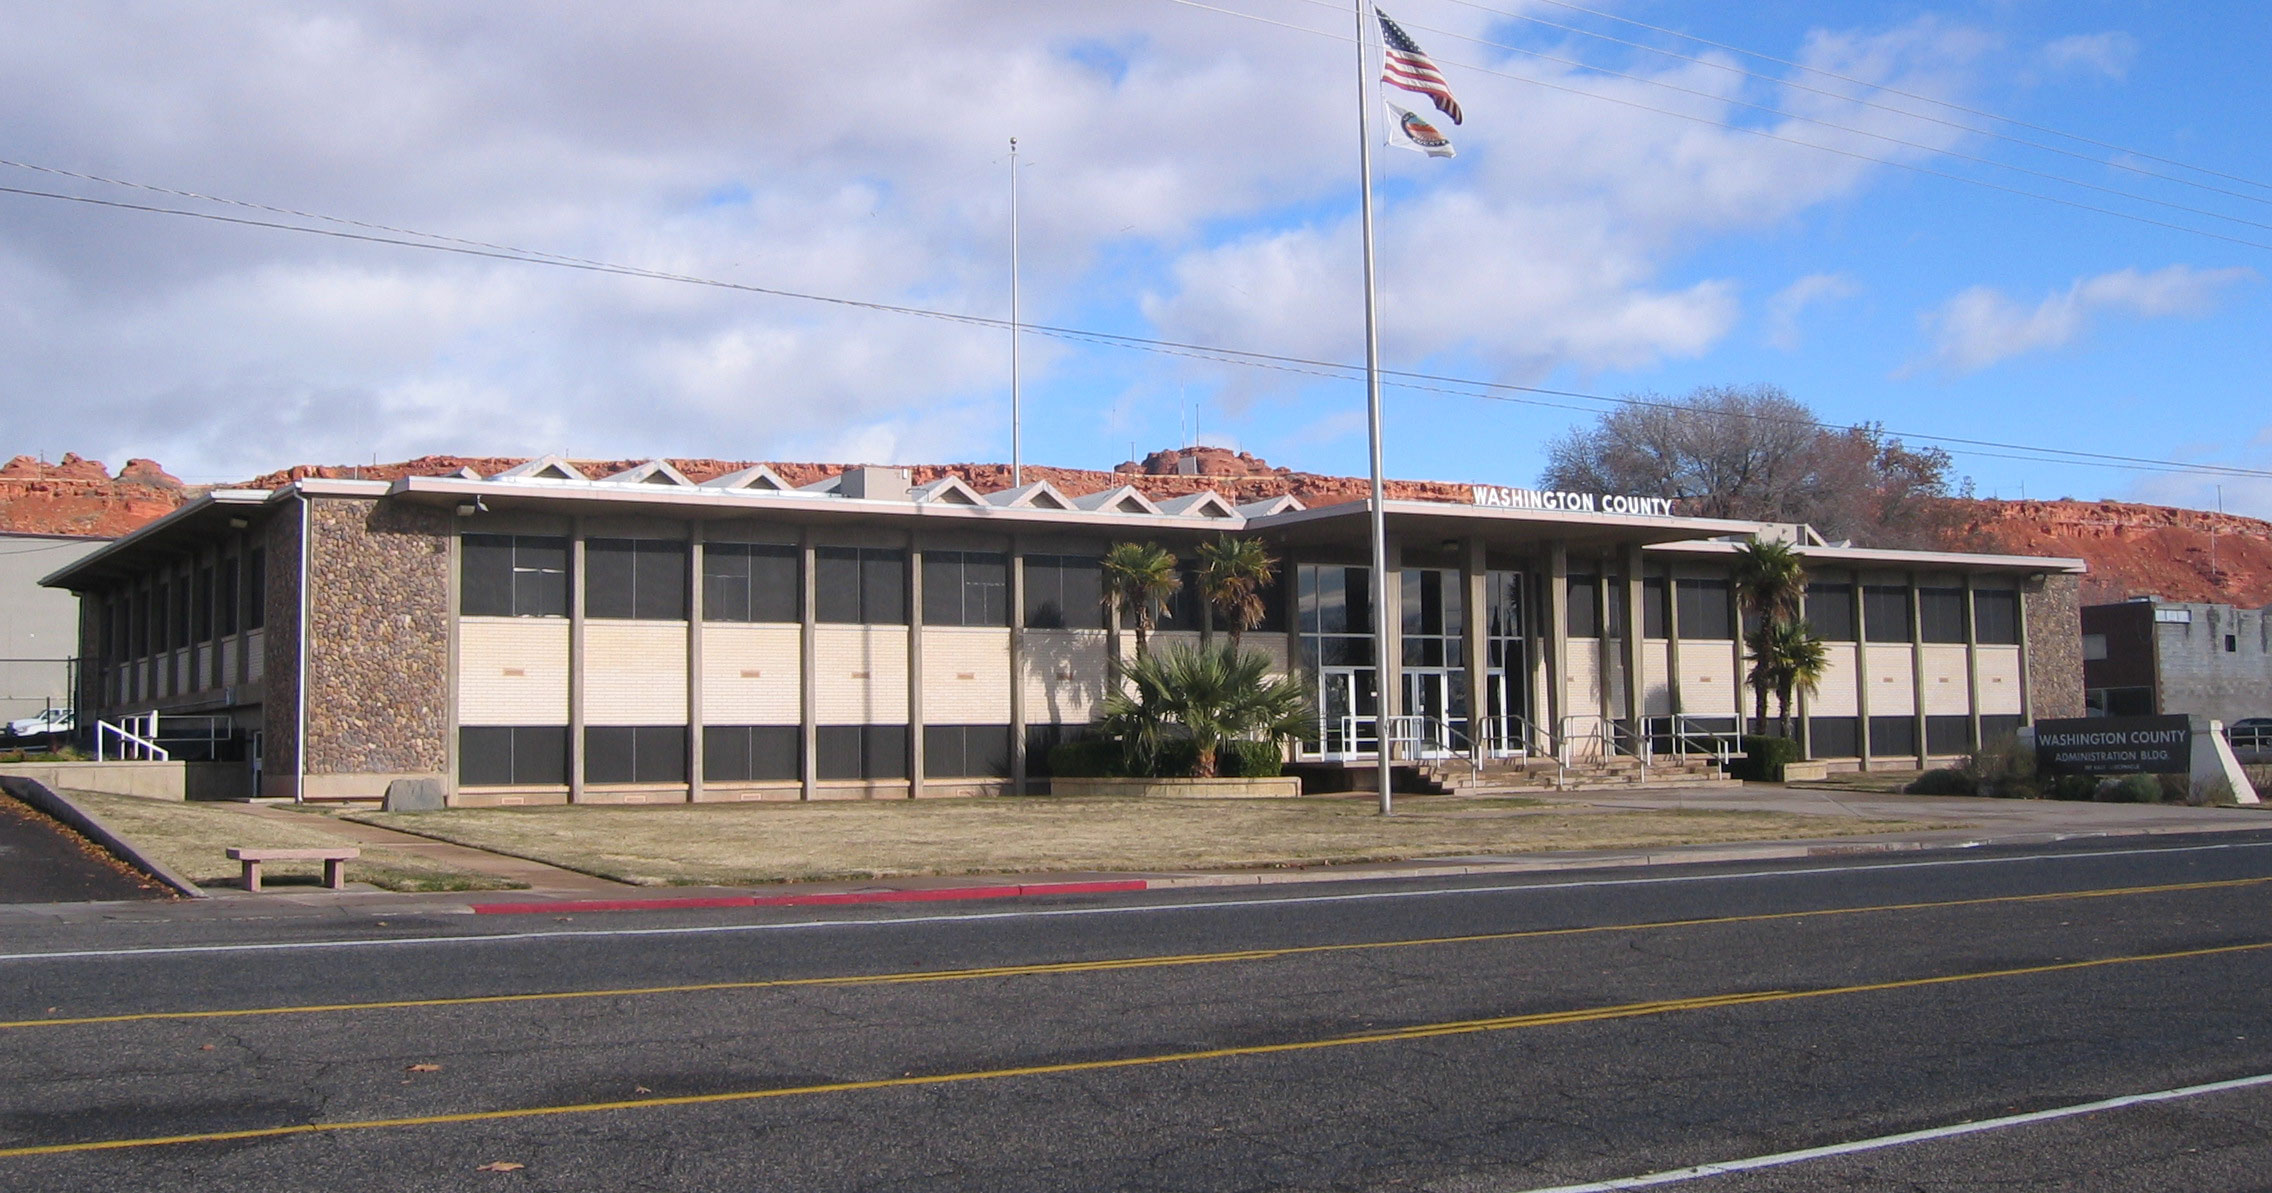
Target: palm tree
{"points": [[1208, 694], [1795, 661], [1139, 578], [1770, 581], [1235, 572]]}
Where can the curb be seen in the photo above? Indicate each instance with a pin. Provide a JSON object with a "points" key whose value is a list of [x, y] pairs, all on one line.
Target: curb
{"points": [[933, 895], [39, 796]]}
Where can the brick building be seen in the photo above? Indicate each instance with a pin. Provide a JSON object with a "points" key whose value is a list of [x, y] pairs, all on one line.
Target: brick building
{"points": [[541, 635]]}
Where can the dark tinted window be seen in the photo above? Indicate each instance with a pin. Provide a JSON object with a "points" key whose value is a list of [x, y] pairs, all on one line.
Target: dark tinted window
{"points": [[1997, 616], [635, 754], [1948, 735], [966, 588], [1336, 600], [1940, 614], [861, 751], [1064, 592], [1653, 600], [201, 605], [1834, 737], [1996, 728], [1585, 606], [751, 582], [860, 585], [504, 575], [966, 751], [1885, 613], [752, 753], [1040, 740], [1704, 609], [1892, 737], [643, 579], [256, 589], [513, 755], [225, 596], [1830, 610]]}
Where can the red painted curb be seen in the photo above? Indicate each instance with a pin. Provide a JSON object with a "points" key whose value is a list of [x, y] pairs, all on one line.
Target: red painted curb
{"points": [[935, 895]]}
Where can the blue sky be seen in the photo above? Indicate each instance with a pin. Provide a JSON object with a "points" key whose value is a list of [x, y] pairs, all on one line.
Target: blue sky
{"points": [[1188, 175]]}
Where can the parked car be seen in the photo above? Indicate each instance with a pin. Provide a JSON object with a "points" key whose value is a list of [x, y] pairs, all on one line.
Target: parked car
{"points": [[54, 720], [2250, 733]]}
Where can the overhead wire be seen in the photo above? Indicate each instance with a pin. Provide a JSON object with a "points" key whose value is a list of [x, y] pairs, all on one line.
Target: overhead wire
{"points": [[1765, 134], [1332, 370]]}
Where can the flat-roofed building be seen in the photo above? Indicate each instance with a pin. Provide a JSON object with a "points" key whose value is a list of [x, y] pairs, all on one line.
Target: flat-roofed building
{"points": [[541, 635]]}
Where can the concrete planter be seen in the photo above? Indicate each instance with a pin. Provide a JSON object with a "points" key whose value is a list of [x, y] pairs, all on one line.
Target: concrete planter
{"points": [[1809, 772], [1280, 787]]}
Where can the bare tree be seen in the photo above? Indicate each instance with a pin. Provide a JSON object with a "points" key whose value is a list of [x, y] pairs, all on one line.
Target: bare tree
{"points": [[1755, 452]]}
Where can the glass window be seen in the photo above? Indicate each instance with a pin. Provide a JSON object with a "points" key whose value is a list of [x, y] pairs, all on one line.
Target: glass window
{"points": [[1704, 610], [1940, 614], [966, 588], [638, 579], [1834, 737], [966, 751], [1885, 615], [861, 751], [1994, 729], [1948, 735], [860, 585], [256, 585], [513, 755], [225, 596], [751, 582], [1064, 592], [1996, 616], [507, 575], [1891, 737], [1585, 606], [1830, 610], [752, 753], [635, 753], [201, 608], [1653, 602]]}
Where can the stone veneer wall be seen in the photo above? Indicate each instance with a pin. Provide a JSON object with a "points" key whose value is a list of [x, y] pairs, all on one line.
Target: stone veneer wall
{"points": [[2055, 646], [378, 680]]}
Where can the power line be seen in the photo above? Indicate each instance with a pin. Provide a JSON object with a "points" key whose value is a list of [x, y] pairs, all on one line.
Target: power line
{"points": [[1954, 107], [1332, 370], [1772, 136]]}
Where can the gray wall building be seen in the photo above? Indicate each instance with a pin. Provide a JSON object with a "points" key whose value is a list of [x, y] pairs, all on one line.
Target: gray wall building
{"points": [[39, 627], [2148, 656]]}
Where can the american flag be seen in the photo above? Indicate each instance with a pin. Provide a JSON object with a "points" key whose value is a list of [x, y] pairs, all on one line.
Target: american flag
{"points": [[1404, 64]]}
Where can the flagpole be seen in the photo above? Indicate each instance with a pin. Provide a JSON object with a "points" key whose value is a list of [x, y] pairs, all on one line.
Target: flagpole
{"points": [[1017, 455], [1381, 701]]}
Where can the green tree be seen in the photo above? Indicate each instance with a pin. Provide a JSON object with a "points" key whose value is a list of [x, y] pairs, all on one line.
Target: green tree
{"points": [[1770, 579], [1209, 694], [1235, 573], [1789, 658], [1139, 580]]}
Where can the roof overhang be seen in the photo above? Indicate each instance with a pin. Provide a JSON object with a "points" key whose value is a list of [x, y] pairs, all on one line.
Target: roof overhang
{"points": [[1890, 558], [1430, 521], [196, 522]]}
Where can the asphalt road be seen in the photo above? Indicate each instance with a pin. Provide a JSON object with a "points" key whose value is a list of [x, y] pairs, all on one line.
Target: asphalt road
{"points": [[1477, 1035]]}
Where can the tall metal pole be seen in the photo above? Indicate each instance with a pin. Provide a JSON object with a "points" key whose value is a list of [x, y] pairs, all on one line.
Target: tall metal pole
{"points": [[1381, 668], [1017, 453]]}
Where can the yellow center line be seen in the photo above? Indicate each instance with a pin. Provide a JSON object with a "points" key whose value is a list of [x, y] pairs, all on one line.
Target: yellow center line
{"points": [[1385, 1036], [1108, 965]]}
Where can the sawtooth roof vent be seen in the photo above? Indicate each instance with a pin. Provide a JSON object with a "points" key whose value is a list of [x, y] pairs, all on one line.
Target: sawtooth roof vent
{"points": [[756, 477], [1206, 503], [1123, 500], [653, 472], [543, 468], [947, 490], [1040, 495], [1284, 503]]}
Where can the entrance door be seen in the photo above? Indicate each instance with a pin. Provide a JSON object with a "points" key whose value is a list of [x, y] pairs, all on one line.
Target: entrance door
{"points": [[1436, 701], [1348, 712]]}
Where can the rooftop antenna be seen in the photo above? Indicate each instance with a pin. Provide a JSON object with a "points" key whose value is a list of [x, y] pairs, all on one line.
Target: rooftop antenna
{"points": [[1017, 453]]}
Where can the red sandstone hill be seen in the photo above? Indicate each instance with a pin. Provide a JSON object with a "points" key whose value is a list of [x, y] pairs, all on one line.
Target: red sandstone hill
{"points": [[2132, 549]]}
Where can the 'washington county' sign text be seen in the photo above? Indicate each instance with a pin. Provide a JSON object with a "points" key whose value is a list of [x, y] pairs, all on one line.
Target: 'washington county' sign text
{"points": [[1496, 497]]}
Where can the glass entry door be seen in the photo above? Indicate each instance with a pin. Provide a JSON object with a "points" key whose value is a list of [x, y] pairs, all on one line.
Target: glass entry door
{"points": [[1435, 705], [1348, 712]]}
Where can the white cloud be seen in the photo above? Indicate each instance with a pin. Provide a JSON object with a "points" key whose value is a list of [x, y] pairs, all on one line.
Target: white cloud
{"points": [[1981, 326], [1815, 289], [2110, 54]]}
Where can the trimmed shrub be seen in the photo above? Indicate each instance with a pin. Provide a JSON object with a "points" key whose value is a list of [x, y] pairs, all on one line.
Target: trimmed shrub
{"points": [[1249, 760], [1764, 758], [1087, 758], [1178, 758], [1947, 780], [2074, 787], [2132, 789]]}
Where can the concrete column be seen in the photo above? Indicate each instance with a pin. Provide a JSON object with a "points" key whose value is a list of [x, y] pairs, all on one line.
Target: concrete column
{"points": [[1744, 701], [1557, 638], [1389, 671], [1861, 672], [576, 660], [808, 683], [1917, 667], [914, 669], [1605, 653], [694, 618], [1972, 661], [2027, 659], [1672, 638], [1475, 645], [1017, 669], [1636, 669]]}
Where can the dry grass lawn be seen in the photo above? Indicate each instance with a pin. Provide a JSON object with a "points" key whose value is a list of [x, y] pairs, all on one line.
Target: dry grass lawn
{"points": [[740, 844], [193, 841], [1875, 782]]}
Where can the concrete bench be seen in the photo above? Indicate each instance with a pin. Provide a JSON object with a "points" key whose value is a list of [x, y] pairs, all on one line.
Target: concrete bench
{"points": [[334, 863]]}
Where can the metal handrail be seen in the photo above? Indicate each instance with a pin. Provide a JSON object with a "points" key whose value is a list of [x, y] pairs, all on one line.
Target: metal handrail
{"points": [[132, 746], [2255, 737], [1681, 735], [1614, 736]]}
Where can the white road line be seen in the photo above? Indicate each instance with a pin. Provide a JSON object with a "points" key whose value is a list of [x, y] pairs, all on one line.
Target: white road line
{"points": [[1058, 912], [1779, 1159]]}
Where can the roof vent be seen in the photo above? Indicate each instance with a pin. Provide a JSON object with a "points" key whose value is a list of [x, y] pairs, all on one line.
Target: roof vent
{"points": [[873, 484]]}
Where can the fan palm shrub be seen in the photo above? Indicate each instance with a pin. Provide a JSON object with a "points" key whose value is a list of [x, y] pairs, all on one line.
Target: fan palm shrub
{"points": [[1206, 695], [1235, 573]]}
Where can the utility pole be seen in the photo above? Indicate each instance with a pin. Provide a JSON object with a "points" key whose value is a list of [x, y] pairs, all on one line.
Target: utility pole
{"points": [[1017, 452]]}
